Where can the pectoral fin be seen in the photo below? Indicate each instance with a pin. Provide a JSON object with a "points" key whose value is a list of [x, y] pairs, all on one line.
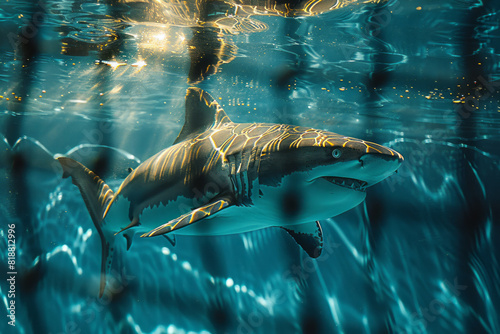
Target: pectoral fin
{"points": [[190, 217], [309, 236]]}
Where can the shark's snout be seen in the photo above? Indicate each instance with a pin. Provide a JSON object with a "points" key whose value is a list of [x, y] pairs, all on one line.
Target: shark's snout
{"points": [[378, 166]]}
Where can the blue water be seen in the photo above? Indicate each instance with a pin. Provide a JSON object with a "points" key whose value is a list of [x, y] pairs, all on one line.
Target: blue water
{"points": [[420, 255]]}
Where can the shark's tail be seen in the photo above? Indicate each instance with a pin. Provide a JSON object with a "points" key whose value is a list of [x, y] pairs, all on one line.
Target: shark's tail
{"points": [[97, 197]]}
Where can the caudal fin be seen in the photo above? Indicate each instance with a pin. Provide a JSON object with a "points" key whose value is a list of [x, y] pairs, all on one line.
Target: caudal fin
{"points": [[97, 197]]}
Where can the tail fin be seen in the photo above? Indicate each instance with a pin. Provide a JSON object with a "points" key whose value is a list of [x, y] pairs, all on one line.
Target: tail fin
{"points": [[97, 197]]}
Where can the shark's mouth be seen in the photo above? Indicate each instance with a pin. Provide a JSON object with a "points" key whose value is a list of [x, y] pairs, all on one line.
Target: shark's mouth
{"points": [[347, 183]]}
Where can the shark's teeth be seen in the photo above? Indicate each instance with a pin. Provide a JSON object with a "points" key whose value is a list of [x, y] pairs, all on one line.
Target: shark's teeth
{"points": [[347, 183]]}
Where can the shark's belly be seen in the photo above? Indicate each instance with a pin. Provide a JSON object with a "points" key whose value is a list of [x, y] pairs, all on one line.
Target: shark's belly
{"points": [[234, 219], [288, 204], [279, 206]]}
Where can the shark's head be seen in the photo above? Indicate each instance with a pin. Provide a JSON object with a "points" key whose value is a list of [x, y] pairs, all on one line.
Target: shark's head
{"points": [[350, 162], [327, 172]]}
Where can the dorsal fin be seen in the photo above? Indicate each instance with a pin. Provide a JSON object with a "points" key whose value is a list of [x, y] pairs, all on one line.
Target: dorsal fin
{"points": [[202, 113]]}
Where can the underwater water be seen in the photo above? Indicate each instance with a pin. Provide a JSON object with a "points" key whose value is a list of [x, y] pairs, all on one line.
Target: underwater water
{"points": [[104, 82]]}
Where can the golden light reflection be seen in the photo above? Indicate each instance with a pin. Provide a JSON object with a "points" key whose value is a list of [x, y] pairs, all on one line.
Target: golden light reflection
{"points": [[160, 36], [116, 89], [139, 64], [112, 63], [156, 39]]}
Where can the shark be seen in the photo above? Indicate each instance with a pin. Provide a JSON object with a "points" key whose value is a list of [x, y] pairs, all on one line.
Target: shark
{"points": [[220, 177]]}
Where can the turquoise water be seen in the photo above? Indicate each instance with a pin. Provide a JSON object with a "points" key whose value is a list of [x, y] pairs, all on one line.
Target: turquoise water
{"points": [[104, 82]]}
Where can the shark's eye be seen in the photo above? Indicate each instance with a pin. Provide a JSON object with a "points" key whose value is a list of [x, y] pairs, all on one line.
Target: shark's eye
{"points": [[336, 153]]}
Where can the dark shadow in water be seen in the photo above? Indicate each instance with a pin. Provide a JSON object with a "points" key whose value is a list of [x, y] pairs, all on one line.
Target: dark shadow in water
{"points": [[381, 63], [103, 105], [293, 69], [122, 297], [376, 207], [473, 216], [92, 32], [206, 51], [28, 277], [27, 51], [378, 78], [208, 48]]}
